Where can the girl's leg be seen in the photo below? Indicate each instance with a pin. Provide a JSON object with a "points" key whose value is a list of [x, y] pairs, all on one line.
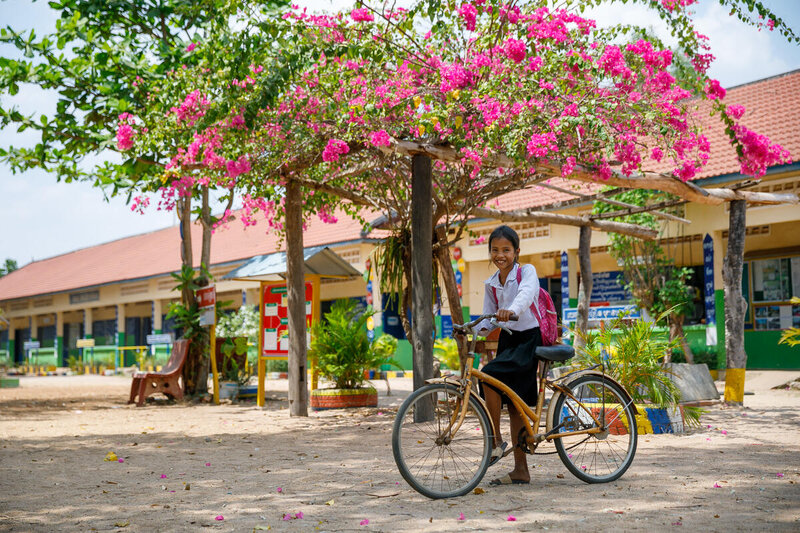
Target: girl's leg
{"points": [[520, 471], [494, 404]]}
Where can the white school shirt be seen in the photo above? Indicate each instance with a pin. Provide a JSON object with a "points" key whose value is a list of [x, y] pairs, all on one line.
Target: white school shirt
{"points": [[512, 296]]}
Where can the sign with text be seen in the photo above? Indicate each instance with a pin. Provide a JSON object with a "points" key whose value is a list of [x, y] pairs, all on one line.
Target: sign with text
{"points": [[708, 280], [31, 345], [603, 314], [207, 302], [275, 319], [608, 289], [84, 343], [160, 338]]}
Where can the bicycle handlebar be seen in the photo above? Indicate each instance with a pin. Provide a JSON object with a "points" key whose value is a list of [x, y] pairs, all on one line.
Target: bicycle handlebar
{"points": [[468, 327]]}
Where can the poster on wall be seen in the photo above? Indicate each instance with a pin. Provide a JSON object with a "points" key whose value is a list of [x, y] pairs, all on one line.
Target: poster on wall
{"points": [[275, 319]]}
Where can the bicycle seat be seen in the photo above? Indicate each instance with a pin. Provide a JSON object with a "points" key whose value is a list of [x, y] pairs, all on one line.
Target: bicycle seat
{"points": [[556, 352]]}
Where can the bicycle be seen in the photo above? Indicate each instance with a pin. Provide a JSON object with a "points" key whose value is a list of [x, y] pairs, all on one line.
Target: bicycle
{"points": [[443, 436]]}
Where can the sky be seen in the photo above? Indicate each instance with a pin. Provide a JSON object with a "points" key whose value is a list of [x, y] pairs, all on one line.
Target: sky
{"points": [[41, 217]]}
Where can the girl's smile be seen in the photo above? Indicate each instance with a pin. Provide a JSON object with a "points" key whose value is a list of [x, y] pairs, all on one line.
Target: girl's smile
{"points": [[503, 255]]}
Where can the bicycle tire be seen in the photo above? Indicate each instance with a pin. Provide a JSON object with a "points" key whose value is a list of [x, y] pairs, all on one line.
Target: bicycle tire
{"points": [[441, 470], [603, 457]]}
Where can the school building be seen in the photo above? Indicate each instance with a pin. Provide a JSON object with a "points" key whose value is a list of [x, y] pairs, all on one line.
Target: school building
{"points": [[117, 293]]}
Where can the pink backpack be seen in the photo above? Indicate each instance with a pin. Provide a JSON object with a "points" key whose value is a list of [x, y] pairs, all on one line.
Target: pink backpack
{"points": [[548, 324]]}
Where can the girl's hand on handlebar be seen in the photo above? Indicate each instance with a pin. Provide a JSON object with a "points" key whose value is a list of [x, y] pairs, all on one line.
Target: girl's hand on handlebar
{"points": [[504, 315]]}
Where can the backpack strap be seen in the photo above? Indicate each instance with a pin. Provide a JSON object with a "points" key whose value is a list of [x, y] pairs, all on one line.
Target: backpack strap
{"points": [[533, 303]]}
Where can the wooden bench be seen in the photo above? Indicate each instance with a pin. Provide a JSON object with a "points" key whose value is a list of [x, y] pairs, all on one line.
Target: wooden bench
{"points": [[166, 382], [489, 346]]}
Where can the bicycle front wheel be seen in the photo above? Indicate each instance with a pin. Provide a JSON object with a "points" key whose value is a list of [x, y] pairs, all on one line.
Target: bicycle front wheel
{"points": [[435, 461], [603, 456]]}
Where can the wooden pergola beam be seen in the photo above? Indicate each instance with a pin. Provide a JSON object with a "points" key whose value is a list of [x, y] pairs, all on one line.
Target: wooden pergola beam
{"points": [[530, 215], [629, 208]]}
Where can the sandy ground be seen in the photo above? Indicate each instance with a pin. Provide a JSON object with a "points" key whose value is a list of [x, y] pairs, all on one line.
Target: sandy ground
{"points": [[185, 465]]}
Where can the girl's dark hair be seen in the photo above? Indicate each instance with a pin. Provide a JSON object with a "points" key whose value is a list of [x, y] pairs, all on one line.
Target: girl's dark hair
{"points": [[504, 232]]}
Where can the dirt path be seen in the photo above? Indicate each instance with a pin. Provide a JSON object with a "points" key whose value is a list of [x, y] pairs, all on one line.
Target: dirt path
{"points": [[185, 465]]}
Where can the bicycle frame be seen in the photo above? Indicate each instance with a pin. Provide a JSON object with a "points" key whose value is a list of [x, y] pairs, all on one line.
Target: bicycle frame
{"points": [[531, 419]]}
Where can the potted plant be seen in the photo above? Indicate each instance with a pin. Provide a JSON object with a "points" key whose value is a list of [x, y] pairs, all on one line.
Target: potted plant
{"points": [[234, 372], [344, 354]]}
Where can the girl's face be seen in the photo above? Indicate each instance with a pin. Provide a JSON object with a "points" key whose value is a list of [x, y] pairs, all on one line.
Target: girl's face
{"points": [[503, 253]]}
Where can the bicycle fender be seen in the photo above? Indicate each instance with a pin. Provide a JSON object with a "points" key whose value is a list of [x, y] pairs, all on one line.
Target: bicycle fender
{"points": [[557, 394], [452, 380]]}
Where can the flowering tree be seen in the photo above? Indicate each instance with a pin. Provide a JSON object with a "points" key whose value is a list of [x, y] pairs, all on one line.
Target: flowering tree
{"points": [[128, 63]]}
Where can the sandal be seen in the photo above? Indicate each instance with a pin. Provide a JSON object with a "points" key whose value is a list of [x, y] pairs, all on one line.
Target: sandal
{"points": [[506, 480], [498, 452]]}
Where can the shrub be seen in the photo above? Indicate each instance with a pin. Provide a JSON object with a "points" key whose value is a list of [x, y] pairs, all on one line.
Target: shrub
{"points": [[342, 348], [446, 350], [631, 351]]}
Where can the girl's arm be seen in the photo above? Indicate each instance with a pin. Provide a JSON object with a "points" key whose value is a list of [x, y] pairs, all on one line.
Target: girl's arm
{"points": [[528, 291], [489, 308]]}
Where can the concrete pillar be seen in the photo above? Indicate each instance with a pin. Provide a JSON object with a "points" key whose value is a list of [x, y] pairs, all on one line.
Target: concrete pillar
{"points": [[87, 323], [120, 337], [156, 322], [59, 341]]}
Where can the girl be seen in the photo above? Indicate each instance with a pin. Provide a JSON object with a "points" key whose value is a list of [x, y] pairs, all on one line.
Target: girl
{"points": [[511, 293]]}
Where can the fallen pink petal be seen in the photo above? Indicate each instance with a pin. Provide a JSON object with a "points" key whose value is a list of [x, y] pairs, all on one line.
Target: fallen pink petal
{"points": [[779, 474], [219, 517], [208, 464], [717, 486], [461, 516], [163, 476], [678, 523], [280, 489], [121, 460], [724, 432], [364, 522], [287, 516], [299, 515], [511, 518]]}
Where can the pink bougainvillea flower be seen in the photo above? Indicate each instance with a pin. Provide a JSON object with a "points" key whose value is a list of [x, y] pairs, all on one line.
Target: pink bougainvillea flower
{"points": [[715, 91], [191, 47], [717, 486], [515, 50], [280, 490], [461, 516], [511, 518], [208, 464], [163, 476], [219, 517], [779, 474], [364, 522], [361, 15], [299, 515], [334, 149], [724, 432], [380, 138], [121, 460], [470, 14]]}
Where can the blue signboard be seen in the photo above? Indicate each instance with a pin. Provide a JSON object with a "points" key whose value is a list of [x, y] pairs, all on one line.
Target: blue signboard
{"points": [[564, 281], [598, 314], [608, 287], [447, 327], [458, 276], [708, 280]]}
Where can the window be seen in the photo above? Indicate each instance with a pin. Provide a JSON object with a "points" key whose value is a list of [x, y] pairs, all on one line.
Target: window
{"points": [[104, 332], [774, 282]]}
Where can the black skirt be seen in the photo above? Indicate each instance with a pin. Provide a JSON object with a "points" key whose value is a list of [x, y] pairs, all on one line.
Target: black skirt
{"points": [[516, 365]]}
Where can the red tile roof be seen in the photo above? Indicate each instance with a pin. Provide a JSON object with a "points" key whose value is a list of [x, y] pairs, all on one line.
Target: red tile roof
{"points": [[158, 253], [773, 108]]}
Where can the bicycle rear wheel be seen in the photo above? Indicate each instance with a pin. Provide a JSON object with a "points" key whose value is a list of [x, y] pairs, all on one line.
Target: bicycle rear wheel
{"points": [[430, 458], [604, 456]]}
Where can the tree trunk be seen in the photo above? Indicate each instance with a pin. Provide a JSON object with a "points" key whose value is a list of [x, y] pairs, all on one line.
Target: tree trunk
{"points": [[451, 288], [296, 300], [421, 277], [205, 248], [195, 370], [585, 286], [676, 332], [735, 305]]}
